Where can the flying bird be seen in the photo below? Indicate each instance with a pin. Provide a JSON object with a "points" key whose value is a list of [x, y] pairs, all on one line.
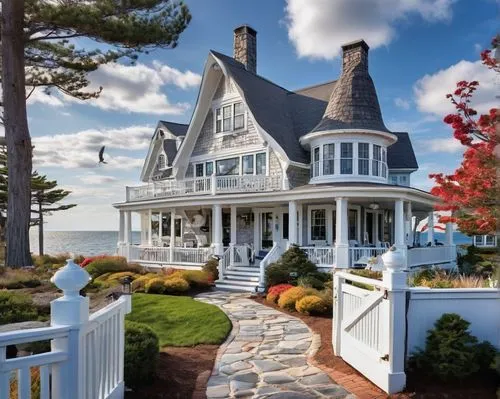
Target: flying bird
{"points": [[101, 155]]}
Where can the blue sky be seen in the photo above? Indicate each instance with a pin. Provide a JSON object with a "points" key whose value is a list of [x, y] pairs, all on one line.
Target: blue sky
{"points": [[419, 49]]}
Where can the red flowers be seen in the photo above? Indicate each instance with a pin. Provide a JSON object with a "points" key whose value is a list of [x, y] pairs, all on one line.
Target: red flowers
{"points": [[472, 192], [89, 260]]}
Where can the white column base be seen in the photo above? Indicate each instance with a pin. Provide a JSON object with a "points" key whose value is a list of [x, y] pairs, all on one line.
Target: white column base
{"points": [[342, 256]]}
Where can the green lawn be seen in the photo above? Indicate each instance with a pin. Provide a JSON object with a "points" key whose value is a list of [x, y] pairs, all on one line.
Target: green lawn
{"points": [[180, 320]]}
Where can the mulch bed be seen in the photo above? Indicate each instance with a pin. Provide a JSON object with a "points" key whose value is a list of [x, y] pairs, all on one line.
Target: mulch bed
{"points": [[417, 386], [180, 371]]}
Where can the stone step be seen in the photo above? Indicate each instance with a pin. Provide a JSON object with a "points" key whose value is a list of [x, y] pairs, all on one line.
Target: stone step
{"points": [[237, 272], [245, 269], [237, 285], [231, 276]]}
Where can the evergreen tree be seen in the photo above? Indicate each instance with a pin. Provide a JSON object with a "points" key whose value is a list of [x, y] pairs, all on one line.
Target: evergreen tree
{"points": [[37, 38], [45, 198]]}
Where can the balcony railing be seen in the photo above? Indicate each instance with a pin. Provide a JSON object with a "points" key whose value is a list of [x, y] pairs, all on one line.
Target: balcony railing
{"points": [[205, 185]]}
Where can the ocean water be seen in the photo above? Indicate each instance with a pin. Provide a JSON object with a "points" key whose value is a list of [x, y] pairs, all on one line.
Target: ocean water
{"points": [[86, 243], [104, 242]]}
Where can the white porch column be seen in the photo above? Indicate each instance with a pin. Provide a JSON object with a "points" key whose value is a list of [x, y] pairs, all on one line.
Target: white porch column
{"points": [[172, 235], [150, 227], [275, 235], [430, 228], [342, 233], [292, 223], [452, 248], [256, 237], [233, 225], [409, 218], [128, 228], [399, 224], [301, 226], [121, 229], [217, 229], [160, 225]]}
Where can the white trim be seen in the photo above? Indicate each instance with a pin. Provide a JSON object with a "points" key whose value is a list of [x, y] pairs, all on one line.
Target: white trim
{"points": [[229, 153], [305, 140]]}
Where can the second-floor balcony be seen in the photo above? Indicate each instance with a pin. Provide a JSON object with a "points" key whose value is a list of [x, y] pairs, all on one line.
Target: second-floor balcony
{"points": [[205, 186]]}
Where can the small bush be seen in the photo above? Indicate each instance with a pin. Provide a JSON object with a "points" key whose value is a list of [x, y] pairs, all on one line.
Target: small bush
{"points": [[212, 267], [175, 285], [14, 279], [275, 291], [311, 304], [288, 299], [16, 307], [294, 262], [196, 278], [111, 264], [139, 283], [155, 286], [141, 354], [276, 274], [367, 273], [310, 281], [116, 278], [169, 271], [451, 352]]}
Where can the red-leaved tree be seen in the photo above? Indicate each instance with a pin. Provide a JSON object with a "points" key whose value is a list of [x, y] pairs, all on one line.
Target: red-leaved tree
{"points": [[472, 192]]}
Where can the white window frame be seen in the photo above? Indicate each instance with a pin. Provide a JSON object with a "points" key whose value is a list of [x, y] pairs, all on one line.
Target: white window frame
{"points": [[162, 153], [220, 105], [330, 222], [240, 156]]}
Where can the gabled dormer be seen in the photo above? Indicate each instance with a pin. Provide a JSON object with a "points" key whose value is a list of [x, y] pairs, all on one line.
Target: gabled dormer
{"points": [[350, 142]]}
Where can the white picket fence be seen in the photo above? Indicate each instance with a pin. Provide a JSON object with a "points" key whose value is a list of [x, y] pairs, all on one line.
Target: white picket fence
{"points": [[87, 352]]}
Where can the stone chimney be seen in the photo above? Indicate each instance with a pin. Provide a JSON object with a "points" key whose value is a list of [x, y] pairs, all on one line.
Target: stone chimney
{"points": [[245, 47], [355, 54]]}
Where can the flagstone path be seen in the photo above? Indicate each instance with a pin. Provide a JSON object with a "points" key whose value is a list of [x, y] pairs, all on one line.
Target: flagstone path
{"points": [[265, 356]]}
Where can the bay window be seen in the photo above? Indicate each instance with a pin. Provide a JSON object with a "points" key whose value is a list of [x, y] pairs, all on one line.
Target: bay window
{"points": [[328, 159], [363, 158], [318, 225], [346, 158], [316, 161]]}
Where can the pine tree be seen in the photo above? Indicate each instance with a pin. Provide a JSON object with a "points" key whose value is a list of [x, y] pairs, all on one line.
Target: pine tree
{"points": [[45, 198], [38, 38]]}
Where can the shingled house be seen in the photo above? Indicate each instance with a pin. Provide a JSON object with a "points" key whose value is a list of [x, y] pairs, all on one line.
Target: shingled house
{"points": [[260, 167]]}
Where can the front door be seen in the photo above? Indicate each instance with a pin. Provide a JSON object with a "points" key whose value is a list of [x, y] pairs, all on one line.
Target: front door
{"points": [[266, 228]]}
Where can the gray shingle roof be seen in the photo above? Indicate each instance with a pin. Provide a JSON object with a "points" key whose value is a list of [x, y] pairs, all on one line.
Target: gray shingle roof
{"points": [[353, 103], [177, 129], [400, 155], [170, 148]]}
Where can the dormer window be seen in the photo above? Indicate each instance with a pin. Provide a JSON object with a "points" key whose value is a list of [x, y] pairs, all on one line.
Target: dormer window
{"points": [[162, 161], [230, 117]]}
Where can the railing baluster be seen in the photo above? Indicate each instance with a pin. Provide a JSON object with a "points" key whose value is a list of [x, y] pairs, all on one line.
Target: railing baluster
{"points": [[24, 383]]}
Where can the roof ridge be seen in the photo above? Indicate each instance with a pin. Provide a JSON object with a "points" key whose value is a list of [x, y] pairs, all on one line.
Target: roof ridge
{"points": [[315, 85], [175, 123]]}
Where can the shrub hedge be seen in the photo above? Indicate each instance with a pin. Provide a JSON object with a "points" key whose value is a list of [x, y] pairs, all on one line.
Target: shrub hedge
{"points": [[288, 299], [141, 354], [175, 284], [15, 307], [275, 291], [212, 267], [311, 304]]}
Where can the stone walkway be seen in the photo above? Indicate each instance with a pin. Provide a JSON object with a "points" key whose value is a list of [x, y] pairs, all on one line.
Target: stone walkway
{"points": [[265, 356]]}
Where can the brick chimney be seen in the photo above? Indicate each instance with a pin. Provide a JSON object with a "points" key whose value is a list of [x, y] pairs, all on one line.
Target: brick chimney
{"points": [[355, 54], [245, 47]]}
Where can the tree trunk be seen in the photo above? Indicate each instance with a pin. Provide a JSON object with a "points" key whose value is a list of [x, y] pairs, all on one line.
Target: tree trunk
{"points": [[19, 151], [40, 228]]}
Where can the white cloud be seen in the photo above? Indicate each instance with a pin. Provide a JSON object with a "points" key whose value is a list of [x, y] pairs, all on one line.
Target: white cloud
{"points": [[448, 145], [430, 91], [318, 28], [97, 179], [80, 150], [130, 88], [402, 103], [419, 126]]}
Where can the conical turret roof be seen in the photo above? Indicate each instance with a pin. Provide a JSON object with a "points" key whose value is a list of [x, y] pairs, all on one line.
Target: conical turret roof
{"points": [[353, 103]]}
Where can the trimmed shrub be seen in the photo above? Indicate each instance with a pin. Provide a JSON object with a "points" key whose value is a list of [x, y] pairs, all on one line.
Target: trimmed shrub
{"points": [[114, 278], [13, 279], [141, 354], [16, 307], [155, 286], [451, 352], [212, 267], [169, 271], [288, 298], [310, 281], [293, 261], [196, 278], [311, 304], [275, 291], [175, 285], [111, 264], [139, 283]]}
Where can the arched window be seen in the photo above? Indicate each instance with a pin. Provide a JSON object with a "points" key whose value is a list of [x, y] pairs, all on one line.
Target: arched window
{"points": [[162, 161]]}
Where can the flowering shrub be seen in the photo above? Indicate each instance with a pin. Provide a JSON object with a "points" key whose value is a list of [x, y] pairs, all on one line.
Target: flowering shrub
{"points": [[288, 298], [275, 291], [175, 285], [311, 304], [112, 264], [139, 283], [90, 259]]}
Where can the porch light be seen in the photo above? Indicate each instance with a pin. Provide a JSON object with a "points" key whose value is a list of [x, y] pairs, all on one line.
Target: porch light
{"points": [[127, 285], [374, 206]]}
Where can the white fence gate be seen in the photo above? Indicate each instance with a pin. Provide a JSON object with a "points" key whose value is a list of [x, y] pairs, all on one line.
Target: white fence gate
{"points": [[369, 327], [87, 353]]}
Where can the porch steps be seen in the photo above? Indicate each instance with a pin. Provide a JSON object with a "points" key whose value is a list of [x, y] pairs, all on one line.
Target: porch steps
{"points": [[240, 278]]}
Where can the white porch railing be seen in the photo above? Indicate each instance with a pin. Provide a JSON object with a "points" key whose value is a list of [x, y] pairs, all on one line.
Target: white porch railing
{"points": [[204, 185], [272, 256], [364, 253], [321, 256], [192, 256], [161, 255], [87, 353], [224, 263], [431, 255]]}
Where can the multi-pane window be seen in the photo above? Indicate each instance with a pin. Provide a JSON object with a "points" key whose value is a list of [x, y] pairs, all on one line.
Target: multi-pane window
{"points": [[363, 158], [227, 167], [328, 159], [318, 225], [199, 170], [316, 161], [384, 162], [346, 158], [248, 165], [260, 163], [239, 116], [377, 157], [209, 168], [230, 117], [162, 162]]}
